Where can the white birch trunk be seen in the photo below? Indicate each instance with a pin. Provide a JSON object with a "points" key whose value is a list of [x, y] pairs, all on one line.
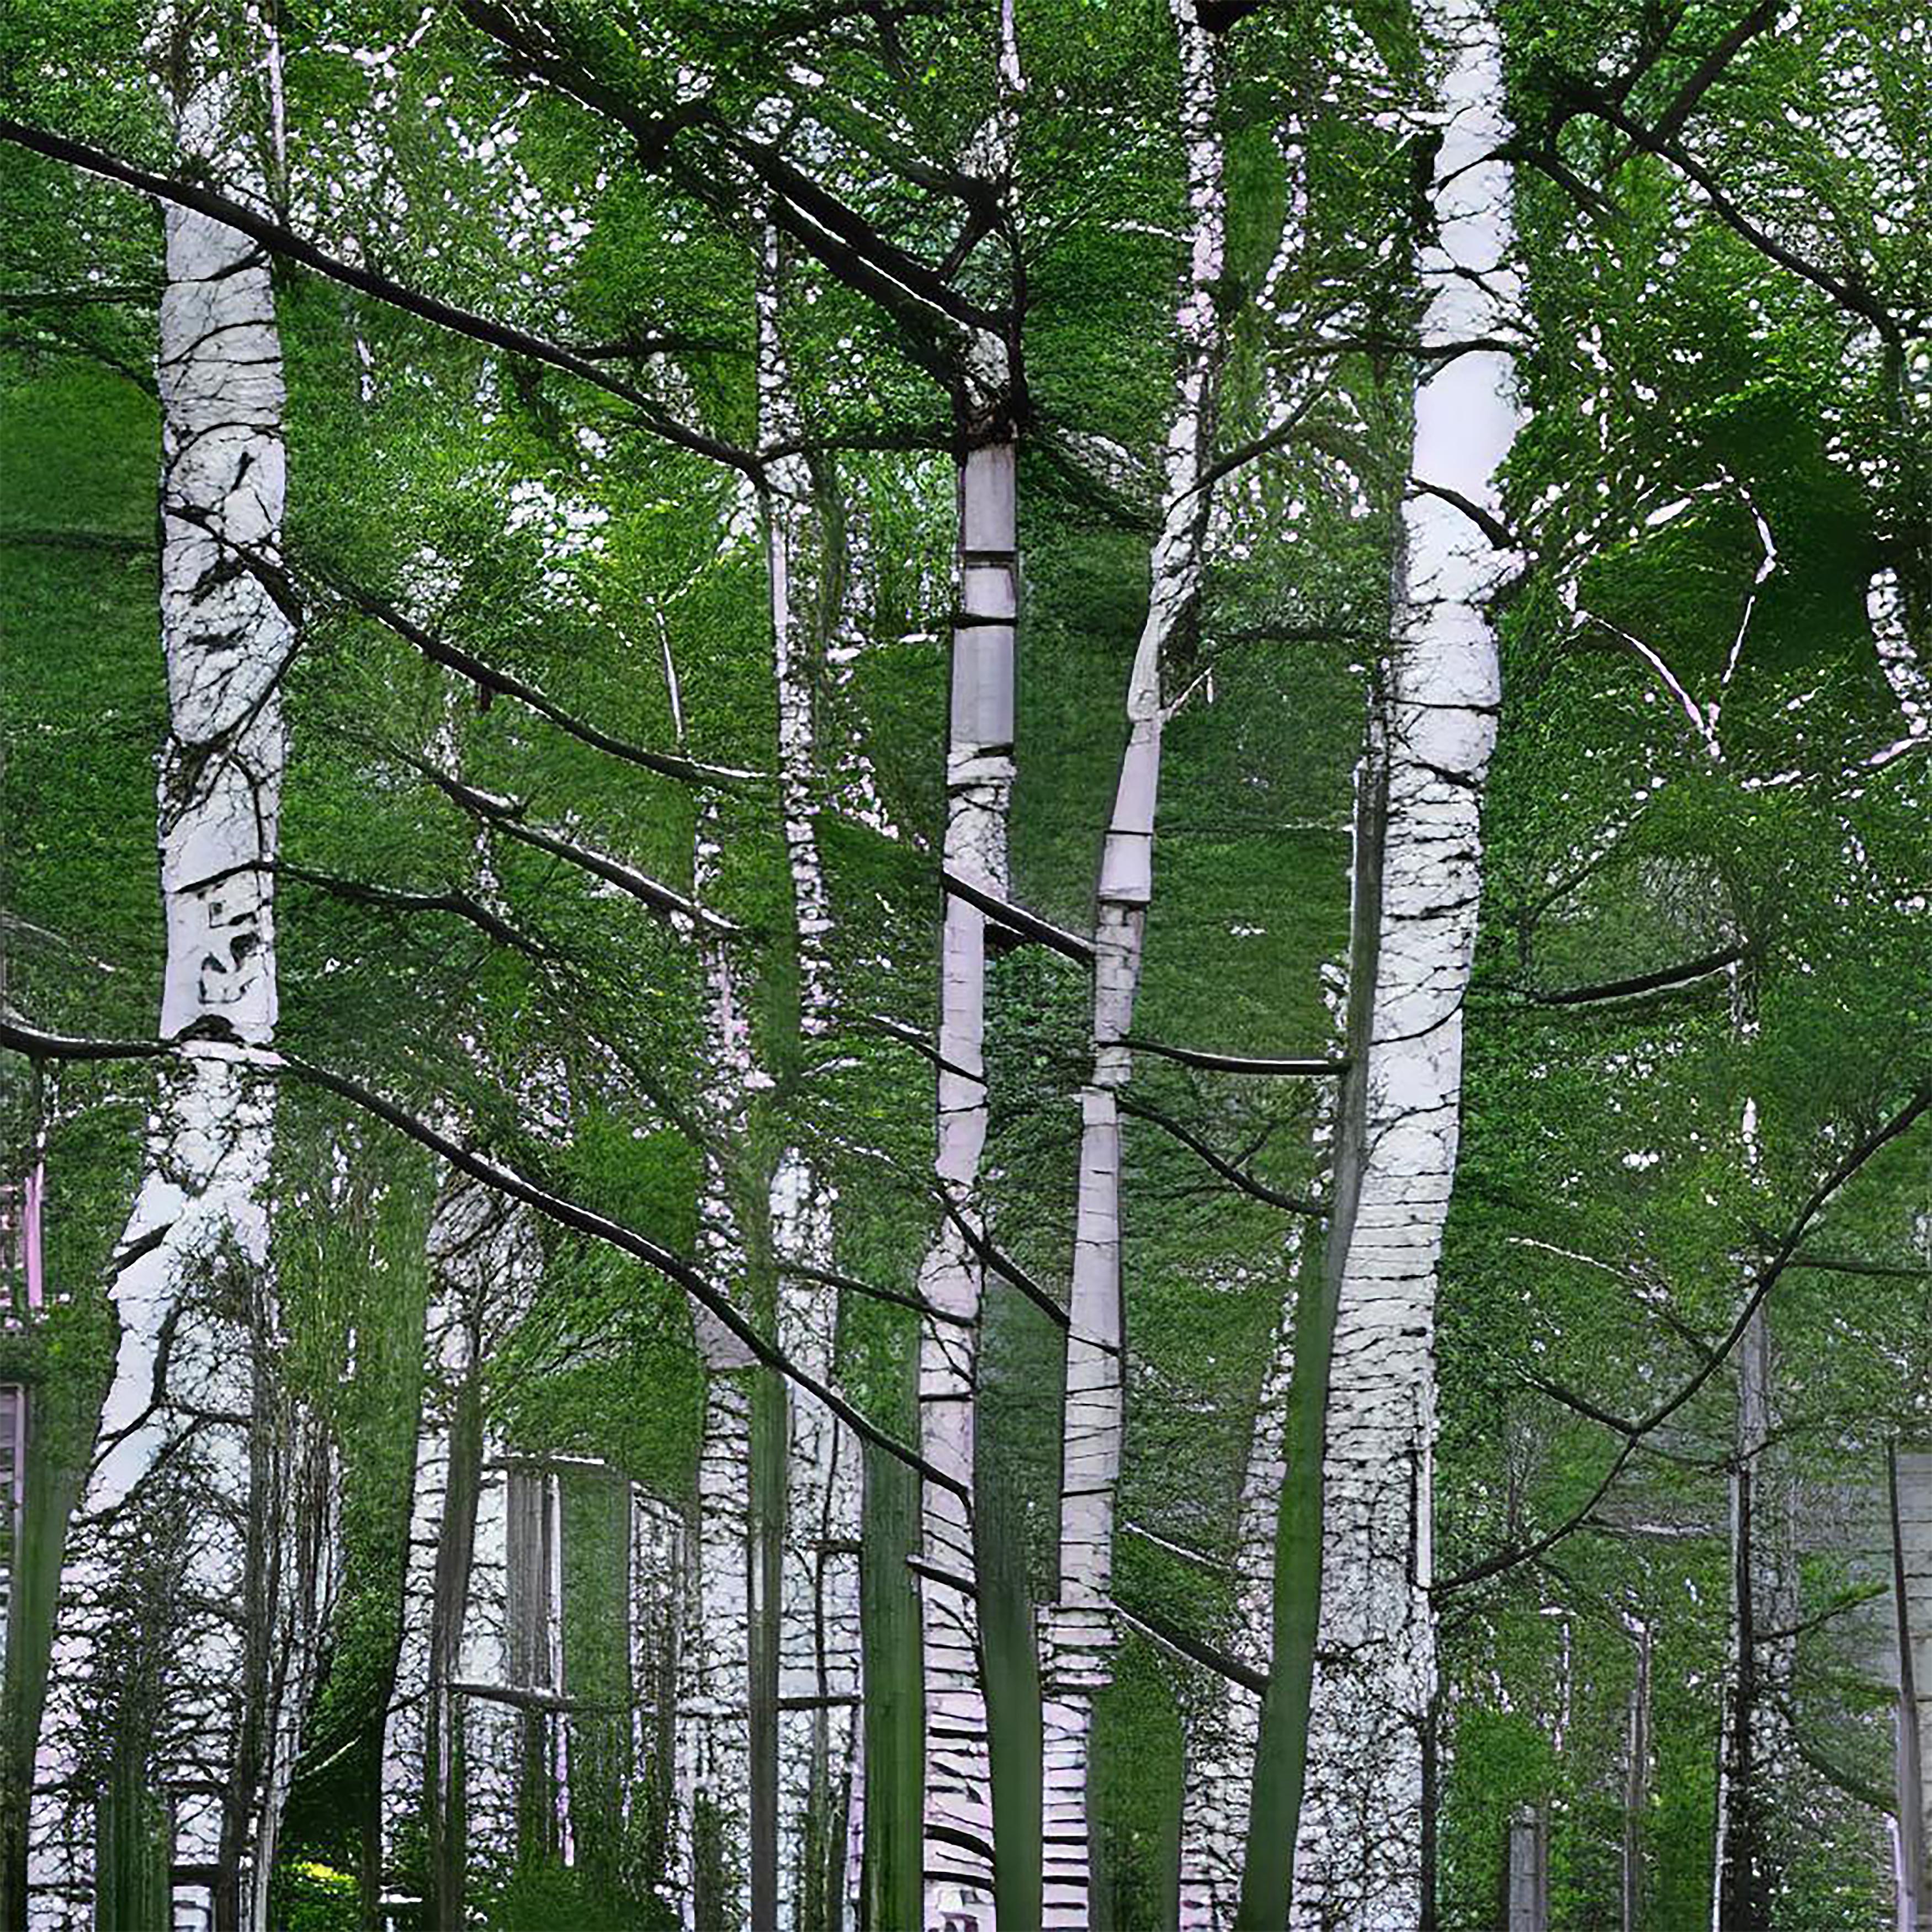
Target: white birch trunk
{"points": [[1905, 670], [1218, 1776], [1755, 1756], [957, 1803], [1636, 1777], [1218, 1772], [712, 1875], [657, 1588], [195, 1248], [958, 1816], [1080, 1632], [1358, 1855], [483, 1265], [818, 1636]]}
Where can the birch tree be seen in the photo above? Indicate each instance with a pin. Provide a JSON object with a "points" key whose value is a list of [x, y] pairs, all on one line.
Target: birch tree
{"points": [[191, 1289], [1079, 1633], [1358, 1849]]}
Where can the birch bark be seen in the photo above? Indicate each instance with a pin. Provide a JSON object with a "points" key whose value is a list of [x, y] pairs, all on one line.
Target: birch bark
{"points": [[1755, 1757], [1221, 1745], [191, 1287], [483, 1266], [819, 1635], [1909, 1488], [1079, 1632], [1358, 1862], [1218, 1773], [957, 1810], [714, 1691]]}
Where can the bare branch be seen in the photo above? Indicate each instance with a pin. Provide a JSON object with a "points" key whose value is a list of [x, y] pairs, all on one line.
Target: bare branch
{"points": [[280, 240], [554, 1206], [1292, 1203], [1756, 1288]]}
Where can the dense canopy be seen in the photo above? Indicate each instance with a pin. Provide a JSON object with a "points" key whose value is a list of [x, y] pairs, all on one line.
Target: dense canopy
{"points": [[963, 964]]}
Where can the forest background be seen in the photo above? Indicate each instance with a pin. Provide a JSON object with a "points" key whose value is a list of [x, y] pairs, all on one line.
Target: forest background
{"points": [[830, 552]]}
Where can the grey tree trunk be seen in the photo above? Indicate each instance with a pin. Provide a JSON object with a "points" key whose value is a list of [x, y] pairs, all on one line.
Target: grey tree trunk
{"points": [[1910, 1496], [1527, 1902]]}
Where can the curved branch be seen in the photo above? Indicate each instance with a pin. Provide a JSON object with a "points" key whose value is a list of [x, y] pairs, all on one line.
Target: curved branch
{"points": [[556, 1208], [281, 240], [1292, 1204], [1759, 1285]]}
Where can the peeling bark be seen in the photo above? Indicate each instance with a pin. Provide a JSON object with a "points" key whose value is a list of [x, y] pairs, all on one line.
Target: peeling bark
{"points": [[180, 1448]]}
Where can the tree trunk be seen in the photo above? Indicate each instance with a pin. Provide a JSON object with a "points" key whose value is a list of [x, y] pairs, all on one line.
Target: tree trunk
{"points": [[714, 1771], [1358, 1865], [1749, 1760], [1910, 1497], [1079, 1632], [482, 1267], [1637, 1779], [819, 1637], [1283, 1753], [1219, 1773], [190, 1285], [1526, 1883]]}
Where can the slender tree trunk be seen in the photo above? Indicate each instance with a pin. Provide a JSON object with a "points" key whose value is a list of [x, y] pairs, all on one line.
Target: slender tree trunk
{"points": [[1358, 1864], [1219, 1773], [483, 1266], [714, 1774], [1079, 1632], [958, 1816], [1909, 1497], [1283, 1750], [957, 1850], [1225, 1739], [1526, 1883], [1754, 1755], [1636, 1780], [819, 1636], [191, 1286]]}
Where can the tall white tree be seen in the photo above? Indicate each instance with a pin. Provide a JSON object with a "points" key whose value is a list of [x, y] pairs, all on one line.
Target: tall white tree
{"points": [[1358, 1860], [1080, 1632], [191, 1287], [819, 1635], [957, 1811]]}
